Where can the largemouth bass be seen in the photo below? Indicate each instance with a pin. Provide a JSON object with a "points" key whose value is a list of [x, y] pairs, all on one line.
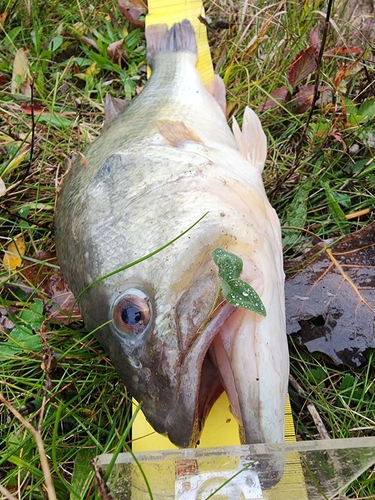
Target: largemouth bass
{"points": [[165, 161]]}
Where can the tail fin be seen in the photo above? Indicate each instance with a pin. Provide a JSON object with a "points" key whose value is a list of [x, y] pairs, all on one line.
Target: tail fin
{"points": [[160, 39]]}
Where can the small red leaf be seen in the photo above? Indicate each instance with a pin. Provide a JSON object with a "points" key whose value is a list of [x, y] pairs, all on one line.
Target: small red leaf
{"points": [[278, 96], [304, 98], [342, 51], [315, 38], [303, 65], [36, 108]]}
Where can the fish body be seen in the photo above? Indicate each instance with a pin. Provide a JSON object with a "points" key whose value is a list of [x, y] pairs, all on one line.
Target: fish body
{"points": [[165, 162]]}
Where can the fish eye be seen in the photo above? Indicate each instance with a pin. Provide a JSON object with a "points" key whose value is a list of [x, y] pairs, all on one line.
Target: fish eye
{"points": [[132, 312]]}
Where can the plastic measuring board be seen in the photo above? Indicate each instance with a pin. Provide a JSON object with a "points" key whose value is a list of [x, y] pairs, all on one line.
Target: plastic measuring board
{"points": [[220, 429]]}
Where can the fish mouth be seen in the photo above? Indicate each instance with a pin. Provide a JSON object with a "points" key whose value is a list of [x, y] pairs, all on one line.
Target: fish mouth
{"points": [[200, 384]]}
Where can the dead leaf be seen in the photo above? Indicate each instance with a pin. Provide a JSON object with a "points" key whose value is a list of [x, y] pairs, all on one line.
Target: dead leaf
{"points": [[21, 74], [346, 70], [132, 10], [115, 51], [139, 5], [5, 323], [3, 17], [315, 39], [59, 301], [342, 51], [49, 362], [13, 254], [330, 297], [90, 42]]}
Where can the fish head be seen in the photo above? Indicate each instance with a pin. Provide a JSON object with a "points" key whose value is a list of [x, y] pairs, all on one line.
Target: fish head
{"points": [[157, 334]]}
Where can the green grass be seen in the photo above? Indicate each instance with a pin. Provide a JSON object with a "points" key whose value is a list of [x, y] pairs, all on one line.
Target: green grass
{"points": [[314, 175]]}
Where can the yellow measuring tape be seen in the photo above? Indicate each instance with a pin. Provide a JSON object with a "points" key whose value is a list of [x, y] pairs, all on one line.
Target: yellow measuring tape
{"points": [[221, 429]]}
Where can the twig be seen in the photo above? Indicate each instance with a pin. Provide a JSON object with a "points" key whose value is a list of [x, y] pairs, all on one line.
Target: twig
{"points": [[322, 431], [42, 453], [346, 277], [6, 493], [20, 217]]}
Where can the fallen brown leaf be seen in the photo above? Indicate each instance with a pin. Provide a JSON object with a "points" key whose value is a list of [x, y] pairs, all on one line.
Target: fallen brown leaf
{"points": [[330, 297], [115, 51], [3, 17], [13, 254], [59, 301]]}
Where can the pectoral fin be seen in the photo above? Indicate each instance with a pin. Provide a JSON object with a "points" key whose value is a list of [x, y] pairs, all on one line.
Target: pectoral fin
{"points": [[176, 133]]}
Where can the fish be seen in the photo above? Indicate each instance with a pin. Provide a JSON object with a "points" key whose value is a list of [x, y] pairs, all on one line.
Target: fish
{"points": [[167, 163]]}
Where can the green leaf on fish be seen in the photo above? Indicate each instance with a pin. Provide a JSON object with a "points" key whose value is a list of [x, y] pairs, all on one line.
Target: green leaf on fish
{"points": [[230, 265], [235, 291]]}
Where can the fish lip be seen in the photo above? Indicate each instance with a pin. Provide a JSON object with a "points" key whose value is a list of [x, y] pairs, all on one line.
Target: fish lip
{"points": [[185, 422]]}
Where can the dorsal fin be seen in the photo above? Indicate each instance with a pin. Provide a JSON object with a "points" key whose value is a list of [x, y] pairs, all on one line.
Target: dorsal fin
{"points": [[251, 141], [113, 106]]}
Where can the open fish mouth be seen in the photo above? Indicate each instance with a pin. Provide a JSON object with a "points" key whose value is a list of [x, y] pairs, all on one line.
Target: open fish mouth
{"points": [[200, 384]]}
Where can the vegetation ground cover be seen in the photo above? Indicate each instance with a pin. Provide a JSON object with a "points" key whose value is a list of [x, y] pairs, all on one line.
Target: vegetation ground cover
{"points": [[58, 59]]}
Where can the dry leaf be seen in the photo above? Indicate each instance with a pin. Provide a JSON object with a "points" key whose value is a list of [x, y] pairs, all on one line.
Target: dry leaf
{"points": [[60, 304], [14, 252], [35, 109], [330, 298], [115, 51], [137, 5], [346, 70], [17, 160], [21, 74], [3, 17], [5, 323], [132, 10], [305, 95], [91, 69], [90, 42], [103, 488], [342, 51]]}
